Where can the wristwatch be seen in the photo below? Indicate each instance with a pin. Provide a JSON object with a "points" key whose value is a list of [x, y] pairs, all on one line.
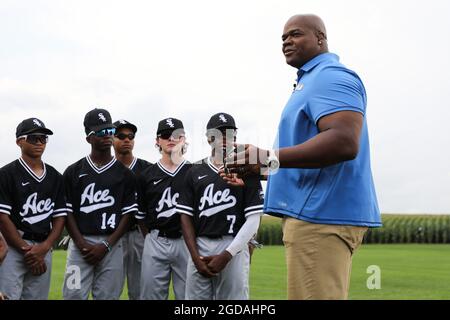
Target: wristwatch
{"points": [[272, 162]]}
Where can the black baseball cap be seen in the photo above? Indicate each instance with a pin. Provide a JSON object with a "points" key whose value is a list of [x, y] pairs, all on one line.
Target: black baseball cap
{"points": [[119, 124], [221, 120], [169, 124], [97, 119], [32, 125]]}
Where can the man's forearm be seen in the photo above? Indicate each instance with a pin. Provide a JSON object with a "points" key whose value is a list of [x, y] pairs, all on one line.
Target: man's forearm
{"points": [[189, 235], [55, 233], [123, 227], [325, 149], [73, 231], [10, 233]]}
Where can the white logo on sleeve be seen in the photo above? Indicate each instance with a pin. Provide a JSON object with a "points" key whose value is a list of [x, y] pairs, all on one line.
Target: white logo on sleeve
{"points": [[36, 211], [215, 200], [37, 122], [170, 123], [95, 200], [170, 202], [223, 119], [101, 117]]}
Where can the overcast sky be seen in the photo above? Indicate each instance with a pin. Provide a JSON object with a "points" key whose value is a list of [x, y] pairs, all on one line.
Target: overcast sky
{"points": [[144, 61]]}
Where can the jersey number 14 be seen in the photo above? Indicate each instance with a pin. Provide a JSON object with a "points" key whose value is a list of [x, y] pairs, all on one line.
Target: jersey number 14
{"points": [[111, 222]]}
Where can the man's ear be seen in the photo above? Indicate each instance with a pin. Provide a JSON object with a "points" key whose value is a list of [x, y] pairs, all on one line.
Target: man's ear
{"points": [[19, 143], [320, 35], [88, 139]]}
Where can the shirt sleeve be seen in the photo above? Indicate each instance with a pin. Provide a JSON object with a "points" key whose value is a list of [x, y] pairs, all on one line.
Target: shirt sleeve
{"points": [[336, 89], [5, 195], [129, 203], [185, 201], [253, 196], [60, 201]]}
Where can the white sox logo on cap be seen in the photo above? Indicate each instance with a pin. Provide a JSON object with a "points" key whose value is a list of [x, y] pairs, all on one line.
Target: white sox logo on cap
{"points": [[101, 117], [223, 119], [36, 122], [170, 123], [122, 121]]}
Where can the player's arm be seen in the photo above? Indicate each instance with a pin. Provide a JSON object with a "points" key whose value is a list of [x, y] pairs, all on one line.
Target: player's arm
{"points": [[188, 230], [36, 255], [218, 262], [74, 232], [3, 249], [11, 234], [142, 205]]}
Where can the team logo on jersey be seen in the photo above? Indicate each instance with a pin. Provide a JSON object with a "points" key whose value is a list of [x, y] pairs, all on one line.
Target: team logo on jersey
{"points": [[101, 117], [91, 200], [37, 122], [216, 202], [169, 201], [37, 210], [170, 123], [223, 119]]}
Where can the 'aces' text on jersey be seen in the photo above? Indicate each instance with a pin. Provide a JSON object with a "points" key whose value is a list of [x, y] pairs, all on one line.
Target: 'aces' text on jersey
{"points": [[29, 200], [99, 197], [158, 200], [218, 208]]}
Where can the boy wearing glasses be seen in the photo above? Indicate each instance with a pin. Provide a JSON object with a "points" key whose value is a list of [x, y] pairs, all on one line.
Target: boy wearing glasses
{"points": [[218, 220], [32, 215], [165, 253], [133, 241], [101, 193]]}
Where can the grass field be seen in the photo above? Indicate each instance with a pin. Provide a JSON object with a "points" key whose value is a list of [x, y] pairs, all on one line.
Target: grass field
{"points": [[412, 271]]}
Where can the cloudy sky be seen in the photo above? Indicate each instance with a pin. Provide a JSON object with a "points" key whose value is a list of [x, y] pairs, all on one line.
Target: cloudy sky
{"points": [[145, 61]]}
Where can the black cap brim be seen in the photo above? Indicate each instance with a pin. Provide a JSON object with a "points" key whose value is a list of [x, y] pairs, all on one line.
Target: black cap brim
{"points": [[39, 130], [101, 127], [130, 126]]}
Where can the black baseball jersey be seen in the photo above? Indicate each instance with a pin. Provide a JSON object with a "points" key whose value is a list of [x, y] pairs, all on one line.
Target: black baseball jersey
{"points": [[29, 200], [160, 191], [98, 197], [139, 165], [218, 208]]}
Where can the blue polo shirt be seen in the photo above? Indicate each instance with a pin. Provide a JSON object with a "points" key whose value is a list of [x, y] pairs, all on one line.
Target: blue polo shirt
{"points": [[343, 193]]}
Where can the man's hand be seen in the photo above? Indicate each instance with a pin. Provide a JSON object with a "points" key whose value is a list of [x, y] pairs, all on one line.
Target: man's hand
{"points": [[3, 296], [202, 267], [231, 178], [218, 262], [38, 268], [36, 253], [247, 161], [3, 249], [93, 254]]}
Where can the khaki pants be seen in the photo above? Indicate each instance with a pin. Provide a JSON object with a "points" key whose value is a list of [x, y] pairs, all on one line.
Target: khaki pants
{"points": [[319, 258]]}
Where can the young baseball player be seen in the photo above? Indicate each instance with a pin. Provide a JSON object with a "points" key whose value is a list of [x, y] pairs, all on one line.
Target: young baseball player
{"points": [[165, 253], [218, 220], [101, 192], [32, 215], [133, 241]]}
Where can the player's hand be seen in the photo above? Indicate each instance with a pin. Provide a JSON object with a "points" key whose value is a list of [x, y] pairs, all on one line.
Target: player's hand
{"points": [[202, 267], [36, 253], [3, 296], [231, 178], [38, 268], [218, 262], [94, 253], [247, 161]]}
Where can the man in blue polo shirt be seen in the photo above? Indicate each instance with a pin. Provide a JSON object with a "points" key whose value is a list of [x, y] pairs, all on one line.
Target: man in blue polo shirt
{"points": [[323, 187]]}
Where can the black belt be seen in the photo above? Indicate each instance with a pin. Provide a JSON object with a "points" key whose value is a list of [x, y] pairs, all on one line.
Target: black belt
{"points": [[34, 236], [170, 235]]}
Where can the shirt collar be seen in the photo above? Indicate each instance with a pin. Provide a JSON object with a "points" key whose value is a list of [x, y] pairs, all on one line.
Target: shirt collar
{"points": [[327, 56]]}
